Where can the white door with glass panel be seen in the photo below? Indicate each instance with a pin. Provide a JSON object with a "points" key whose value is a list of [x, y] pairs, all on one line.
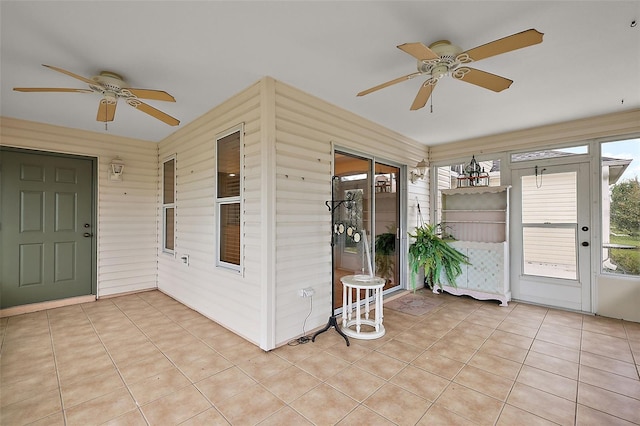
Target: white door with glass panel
{"points": [[551, 236]]}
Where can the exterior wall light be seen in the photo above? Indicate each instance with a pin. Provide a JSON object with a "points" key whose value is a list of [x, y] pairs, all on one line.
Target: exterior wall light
{"points": [[419, 172], [116, 168]]}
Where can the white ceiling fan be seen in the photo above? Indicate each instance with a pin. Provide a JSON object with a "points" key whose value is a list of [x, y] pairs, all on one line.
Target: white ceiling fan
{"points": [[111, 87], [443, 58]]}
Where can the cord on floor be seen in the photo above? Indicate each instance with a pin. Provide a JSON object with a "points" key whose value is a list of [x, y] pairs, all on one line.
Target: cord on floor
{"points": [[304, 338]]}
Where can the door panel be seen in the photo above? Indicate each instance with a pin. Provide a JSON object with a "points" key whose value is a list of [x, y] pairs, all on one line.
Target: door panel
{"points": [[45, 203], [30, 264], [550, 262], [372, 213], [65, 211], [31, 211]]}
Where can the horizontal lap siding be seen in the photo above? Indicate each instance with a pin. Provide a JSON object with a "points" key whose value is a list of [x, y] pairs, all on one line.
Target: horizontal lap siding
{"points": [[621, 123], [227, 297], [305, 129], [126, 229]]}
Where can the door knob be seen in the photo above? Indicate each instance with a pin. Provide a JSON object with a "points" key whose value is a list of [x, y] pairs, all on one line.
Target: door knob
{"points": [[585, 244], [88, 234]]}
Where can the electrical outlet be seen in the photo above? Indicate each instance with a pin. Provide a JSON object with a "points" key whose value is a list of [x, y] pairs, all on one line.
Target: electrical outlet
{"points": [[306, 292]]}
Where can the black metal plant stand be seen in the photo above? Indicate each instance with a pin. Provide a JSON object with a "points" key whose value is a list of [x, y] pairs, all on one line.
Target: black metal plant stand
{"points": [[333, 321]]}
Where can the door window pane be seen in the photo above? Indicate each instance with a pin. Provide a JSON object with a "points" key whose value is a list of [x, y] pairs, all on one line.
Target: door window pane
{"points": [[550, 252], [549, 224], [549, 198]]}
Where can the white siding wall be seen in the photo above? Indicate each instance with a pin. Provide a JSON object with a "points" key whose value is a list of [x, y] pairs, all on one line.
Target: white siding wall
{"points": [[231, 299], [306, 128], [288, 144], [126, 229]]}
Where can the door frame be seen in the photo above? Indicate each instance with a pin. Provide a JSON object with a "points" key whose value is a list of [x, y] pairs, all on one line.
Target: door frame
{"points": [[94, 204], [402, 199], [583, 165]]}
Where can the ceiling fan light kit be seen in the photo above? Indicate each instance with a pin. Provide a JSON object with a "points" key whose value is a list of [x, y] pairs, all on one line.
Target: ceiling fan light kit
{"points": [[111, 87], [442, 58]]}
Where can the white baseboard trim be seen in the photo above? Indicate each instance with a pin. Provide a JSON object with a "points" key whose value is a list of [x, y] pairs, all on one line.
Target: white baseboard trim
{"points": [[35, 307]]}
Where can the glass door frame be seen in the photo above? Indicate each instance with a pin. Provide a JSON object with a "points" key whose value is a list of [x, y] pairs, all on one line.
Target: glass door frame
{"points": [[584, 278], [401, 191]]}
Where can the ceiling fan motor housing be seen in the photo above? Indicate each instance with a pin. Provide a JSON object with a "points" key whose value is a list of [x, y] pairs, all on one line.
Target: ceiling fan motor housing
{"points": [[446, 62], [109, 84]]}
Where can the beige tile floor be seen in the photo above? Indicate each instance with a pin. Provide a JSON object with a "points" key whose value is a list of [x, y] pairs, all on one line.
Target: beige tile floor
{"points": [[146, 359]]}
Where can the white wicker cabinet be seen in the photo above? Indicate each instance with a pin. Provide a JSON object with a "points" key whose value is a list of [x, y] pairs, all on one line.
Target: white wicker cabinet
{"points": [[478, 218]]}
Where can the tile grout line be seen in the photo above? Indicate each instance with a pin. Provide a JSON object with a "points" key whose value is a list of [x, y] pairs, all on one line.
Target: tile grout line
{"points": [[113, 361], [55, 365], [575, 414], [164, 355], [194, 384]]}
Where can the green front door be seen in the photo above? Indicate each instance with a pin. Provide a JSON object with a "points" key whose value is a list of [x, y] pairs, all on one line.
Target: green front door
{"points": [[46, 228]]}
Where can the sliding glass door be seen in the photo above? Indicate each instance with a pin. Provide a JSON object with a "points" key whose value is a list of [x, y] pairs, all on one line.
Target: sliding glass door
{"points": [[366, 220]]}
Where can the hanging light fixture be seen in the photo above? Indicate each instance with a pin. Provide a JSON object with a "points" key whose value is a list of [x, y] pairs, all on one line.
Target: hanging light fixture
{"points": [[419, 172]]}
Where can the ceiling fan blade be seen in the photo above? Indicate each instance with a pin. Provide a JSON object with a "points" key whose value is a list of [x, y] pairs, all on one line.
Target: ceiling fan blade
{"points": [[157, 95], [482, 79], [106, 111], [389, 83], [423, 94], [50, 89], [418, 51], [70, 74], [156, 113], [506, 44]]}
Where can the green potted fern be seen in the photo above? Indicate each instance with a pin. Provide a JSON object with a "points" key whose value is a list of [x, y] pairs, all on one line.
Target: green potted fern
{"points": [[433, 254]]}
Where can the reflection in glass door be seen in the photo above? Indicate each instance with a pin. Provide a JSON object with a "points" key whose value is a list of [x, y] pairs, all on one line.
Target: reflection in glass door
{"points": [[369, 215], [386, 226]]}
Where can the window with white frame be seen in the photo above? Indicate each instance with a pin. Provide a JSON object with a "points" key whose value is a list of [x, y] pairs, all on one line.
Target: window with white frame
{"points": [[228, 198], [168, 204], [620, 174], [457, 175]]}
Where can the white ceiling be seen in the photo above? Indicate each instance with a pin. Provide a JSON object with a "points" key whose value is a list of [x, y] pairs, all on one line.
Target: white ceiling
{"points": [[205, 52]]}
